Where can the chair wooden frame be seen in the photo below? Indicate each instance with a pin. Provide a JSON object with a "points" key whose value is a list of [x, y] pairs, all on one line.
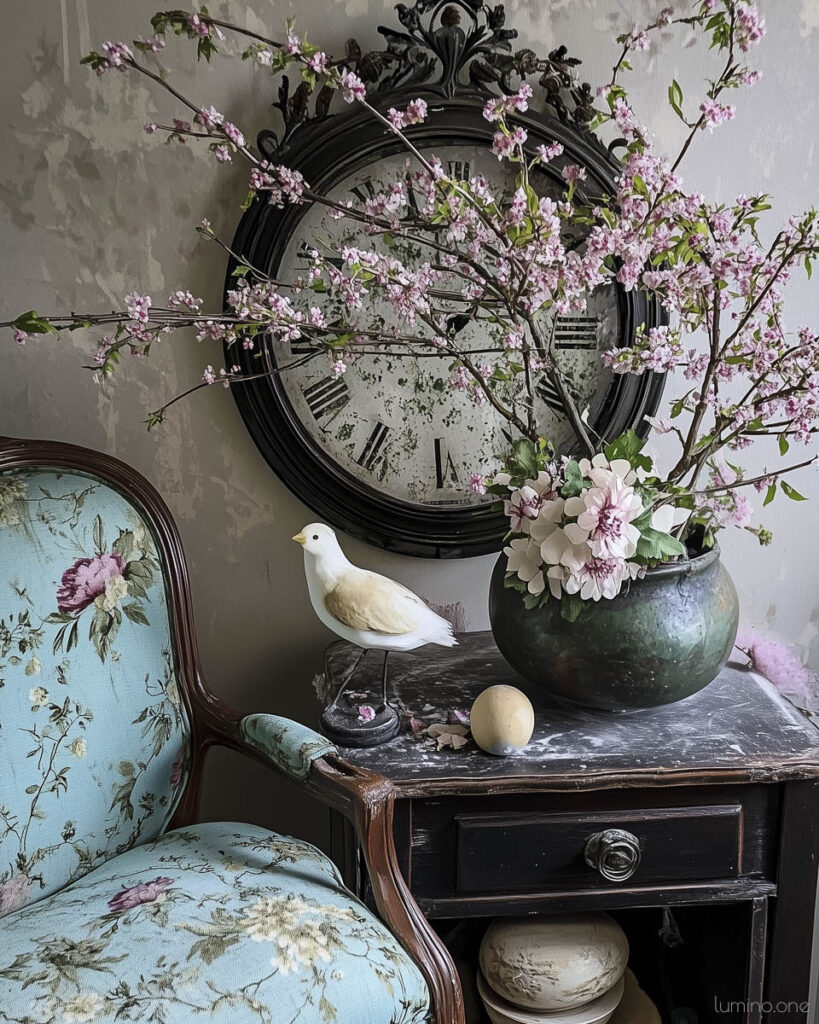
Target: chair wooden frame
{"points": [[364, 797]]}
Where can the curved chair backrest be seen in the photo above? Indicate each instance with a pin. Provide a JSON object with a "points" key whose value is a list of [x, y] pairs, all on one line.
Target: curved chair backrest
{"points": [[95, 735]]}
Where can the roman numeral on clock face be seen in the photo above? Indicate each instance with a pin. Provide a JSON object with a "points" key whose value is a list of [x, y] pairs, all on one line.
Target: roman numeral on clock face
{"points": [[373, 450], [326, 398], [445, 471], [577, 332], [458, 169], [547, 393], [304, 347], [365, 190]]}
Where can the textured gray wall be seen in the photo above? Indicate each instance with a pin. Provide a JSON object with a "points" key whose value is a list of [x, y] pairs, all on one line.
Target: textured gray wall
{"points": [[91, 207]]}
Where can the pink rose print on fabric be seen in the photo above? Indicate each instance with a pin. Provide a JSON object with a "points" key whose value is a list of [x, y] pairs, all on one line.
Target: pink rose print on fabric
{"points": [[86, 580], [144, 892], [14, 894], [177, 768]]}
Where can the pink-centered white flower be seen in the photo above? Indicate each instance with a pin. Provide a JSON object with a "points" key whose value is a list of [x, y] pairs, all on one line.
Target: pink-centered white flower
{"points": [[605, 513], [526, 502], [594, 577]]}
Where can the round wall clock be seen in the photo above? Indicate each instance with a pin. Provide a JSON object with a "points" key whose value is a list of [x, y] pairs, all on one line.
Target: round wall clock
{"points": [[385, 451]]}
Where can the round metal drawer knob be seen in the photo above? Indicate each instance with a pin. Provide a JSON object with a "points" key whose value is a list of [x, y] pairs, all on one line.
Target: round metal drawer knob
{"points": [[614, 853]]}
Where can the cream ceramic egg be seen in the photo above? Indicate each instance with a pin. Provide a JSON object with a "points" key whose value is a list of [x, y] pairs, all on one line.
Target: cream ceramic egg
{"points": [[554, 962], [502, 720]]}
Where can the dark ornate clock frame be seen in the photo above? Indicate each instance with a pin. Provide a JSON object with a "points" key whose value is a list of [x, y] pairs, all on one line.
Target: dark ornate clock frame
{"points": [[455, 54]]}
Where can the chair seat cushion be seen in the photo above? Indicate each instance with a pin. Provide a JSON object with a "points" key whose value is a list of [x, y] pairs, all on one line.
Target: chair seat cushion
{"points": [[216, 922]]}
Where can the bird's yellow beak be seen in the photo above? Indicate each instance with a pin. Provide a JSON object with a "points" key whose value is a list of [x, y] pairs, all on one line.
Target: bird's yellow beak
{"points": [[300, 539]]}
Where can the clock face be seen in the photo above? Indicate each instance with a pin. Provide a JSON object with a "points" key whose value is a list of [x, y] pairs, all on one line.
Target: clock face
{"points": [[393, 421], [385, 451]]}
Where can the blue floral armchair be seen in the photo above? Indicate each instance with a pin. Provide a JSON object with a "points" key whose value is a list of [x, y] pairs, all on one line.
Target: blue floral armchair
{"points": [[114, 904]]}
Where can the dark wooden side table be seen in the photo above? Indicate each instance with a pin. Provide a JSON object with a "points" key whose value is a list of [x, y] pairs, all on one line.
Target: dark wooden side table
{"points": [[696, 825]]}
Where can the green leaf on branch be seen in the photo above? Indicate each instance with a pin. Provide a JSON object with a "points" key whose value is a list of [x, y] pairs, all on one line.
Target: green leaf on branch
{"points": [[675, 98], [791, 492], [628, 446], [242, 270], [784, 445], [525, 457], [655, 546], [32, 323], [770, 494], [573, 480]]}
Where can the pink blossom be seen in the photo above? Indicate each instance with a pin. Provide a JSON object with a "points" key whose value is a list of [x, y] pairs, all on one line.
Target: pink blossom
{"points": [[138, 307], [478, 483], [144, 892], [85, 580], [233, 133], [209, 117], [366, 713], [184, 298], [118, 55], [715, 113], [181, 126], [20, 336], [208, 375], [496, 109], [573, 173], [293, 45], [665, 16], [504, 145], [222, 154], [150, 128], [547, 153], [318, 62], [638, 40], [14, 893], [352, 87], [198, 26], [625, 119], [339, 367], [750, 26]]}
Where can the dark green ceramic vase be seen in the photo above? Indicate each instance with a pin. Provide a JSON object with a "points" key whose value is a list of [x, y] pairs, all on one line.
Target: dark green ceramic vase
{"points": [[662, 639]]}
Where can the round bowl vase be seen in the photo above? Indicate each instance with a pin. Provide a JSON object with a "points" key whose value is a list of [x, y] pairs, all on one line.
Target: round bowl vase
{"points": [[660, 640]]}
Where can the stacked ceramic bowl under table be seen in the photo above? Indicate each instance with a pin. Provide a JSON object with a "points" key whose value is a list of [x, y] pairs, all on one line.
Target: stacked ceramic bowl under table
{"points": [[563, 969]]}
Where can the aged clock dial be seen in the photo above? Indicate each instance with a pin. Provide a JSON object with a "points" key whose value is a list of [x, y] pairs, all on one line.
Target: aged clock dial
{"points": [[392, 420], [386, 450]]}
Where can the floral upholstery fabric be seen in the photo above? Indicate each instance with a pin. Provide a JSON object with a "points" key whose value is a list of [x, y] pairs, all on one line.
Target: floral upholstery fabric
{"points": [[215, 922], [292, 747], [93, 736]]}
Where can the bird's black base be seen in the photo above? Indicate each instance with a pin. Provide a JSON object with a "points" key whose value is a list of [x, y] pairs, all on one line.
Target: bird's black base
{"points": [[344, 727]]}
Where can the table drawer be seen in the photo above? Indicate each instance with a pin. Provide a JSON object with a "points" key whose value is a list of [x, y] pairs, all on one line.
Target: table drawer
{"points": [[534, 852]]}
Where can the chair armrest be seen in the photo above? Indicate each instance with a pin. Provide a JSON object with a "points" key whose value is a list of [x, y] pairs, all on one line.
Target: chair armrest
{"points": [[367, 800], [291, 747]]}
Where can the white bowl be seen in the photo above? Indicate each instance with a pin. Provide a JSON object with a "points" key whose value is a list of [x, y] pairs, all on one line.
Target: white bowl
{"points": [[599, 1011], [553, 962]]}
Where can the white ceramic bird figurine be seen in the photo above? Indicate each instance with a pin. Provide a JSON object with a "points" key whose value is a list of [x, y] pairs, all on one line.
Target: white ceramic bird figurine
{"points": [[363, 607]]}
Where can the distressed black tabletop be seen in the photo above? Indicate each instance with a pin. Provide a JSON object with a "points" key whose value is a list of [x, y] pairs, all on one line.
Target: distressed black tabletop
{"points": [[739, 728]]}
